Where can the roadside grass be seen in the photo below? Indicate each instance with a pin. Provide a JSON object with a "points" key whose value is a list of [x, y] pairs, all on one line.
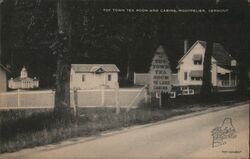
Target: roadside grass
{"points": [[29, 128]]}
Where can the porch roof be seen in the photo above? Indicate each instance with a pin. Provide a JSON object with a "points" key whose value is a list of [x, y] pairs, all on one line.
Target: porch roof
{"points": [[223, 70]]}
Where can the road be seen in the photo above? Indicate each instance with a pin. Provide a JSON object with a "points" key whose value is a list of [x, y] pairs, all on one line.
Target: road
{"points": [[183, 138]]}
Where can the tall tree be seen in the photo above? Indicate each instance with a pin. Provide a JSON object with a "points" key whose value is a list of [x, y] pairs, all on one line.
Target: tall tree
{"points": [[242, 9], [206, 87], [63, 43], [1, 30], [206, 80]]}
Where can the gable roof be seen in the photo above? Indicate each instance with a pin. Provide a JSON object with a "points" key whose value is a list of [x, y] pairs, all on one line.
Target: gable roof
{"points": [[222, 57], [87, 68], [4, 68]]}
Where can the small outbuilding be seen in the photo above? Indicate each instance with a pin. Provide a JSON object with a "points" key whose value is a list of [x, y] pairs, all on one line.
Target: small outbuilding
{"points": [[94, 76]]}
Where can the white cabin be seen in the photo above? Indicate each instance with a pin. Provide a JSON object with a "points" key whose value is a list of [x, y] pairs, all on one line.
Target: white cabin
{"points": [[93, 76]]}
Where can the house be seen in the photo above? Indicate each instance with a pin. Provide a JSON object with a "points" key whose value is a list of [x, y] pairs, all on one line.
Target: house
{"points": [[93, 76], [190, 67], [3, 78], [23, 81]]}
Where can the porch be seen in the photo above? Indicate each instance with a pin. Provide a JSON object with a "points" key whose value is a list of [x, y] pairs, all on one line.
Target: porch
{"points": [[227, 79]]}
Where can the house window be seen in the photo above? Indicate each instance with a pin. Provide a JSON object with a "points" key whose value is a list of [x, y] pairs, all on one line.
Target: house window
{"points": [[83, 78], [196, 78], [185, 75], [109, 77], [184, 87], [197, 62], [197, 58]]}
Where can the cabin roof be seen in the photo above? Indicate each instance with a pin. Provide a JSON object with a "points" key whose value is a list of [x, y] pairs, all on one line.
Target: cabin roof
{"points": [[91, 68]]}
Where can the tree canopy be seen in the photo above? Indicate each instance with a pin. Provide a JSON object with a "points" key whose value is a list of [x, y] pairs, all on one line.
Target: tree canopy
{"points": [[29, 29]]}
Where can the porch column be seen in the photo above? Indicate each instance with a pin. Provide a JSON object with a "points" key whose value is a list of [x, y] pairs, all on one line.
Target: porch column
{"points": [[236, 80], [230, 82], [102, 95]]}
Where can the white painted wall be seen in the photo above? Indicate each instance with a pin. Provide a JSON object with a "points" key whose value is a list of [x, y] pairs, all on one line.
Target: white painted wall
{"points": [[214, 72], [187, 65], [3, 80], [92, 80]]}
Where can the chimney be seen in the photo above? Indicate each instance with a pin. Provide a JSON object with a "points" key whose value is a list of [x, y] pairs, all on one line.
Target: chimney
{"points": [[185, 46]]}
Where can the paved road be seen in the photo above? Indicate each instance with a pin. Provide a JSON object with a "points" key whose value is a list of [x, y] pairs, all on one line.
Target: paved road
{"points": [[184, 138]]}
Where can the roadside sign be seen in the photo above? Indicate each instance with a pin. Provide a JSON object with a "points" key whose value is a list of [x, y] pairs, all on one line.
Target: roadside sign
{"points": [[160, 73]]}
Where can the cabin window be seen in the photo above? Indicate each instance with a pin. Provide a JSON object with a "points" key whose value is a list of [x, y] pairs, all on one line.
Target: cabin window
{"points": [[83, 78], [185, 75], [109, 77]]}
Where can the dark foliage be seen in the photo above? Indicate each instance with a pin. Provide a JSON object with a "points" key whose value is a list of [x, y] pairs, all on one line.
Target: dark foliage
{"points": [[217, 98], [29, 28]]}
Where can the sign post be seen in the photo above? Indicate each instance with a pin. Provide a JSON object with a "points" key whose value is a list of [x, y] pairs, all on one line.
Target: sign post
{"points": [[117, 98], [75, 104], [160, 74]]}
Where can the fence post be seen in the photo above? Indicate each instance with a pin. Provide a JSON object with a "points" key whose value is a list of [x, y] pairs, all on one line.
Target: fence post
{"points": [[128, 107], [134, 77], [150, 97], [102, 94], [117, 98], [18, 98], [146, 95], [75, 104], [160, 100]]}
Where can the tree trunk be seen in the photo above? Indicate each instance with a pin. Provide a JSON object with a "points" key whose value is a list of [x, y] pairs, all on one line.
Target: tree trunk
{"points": [[206, 80], [243, 71], [128, 67], [243, 63], [1, 54], [62, 95]]}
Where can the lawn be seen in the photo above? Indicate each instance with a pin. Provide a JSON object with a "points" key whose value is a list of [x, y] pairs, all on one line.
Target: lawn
{"points": [[28, 128]]}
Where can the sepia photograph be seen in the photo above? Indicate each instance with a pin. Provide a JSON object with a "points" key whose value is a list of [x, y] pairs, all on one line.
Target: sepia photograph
{"points": [[124, 79]]}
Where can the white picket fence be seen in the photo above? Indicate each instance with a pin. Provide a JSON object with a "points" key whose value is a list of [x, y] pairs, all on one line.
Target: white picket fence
{"points": [[123, 97], [141, 79]]}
